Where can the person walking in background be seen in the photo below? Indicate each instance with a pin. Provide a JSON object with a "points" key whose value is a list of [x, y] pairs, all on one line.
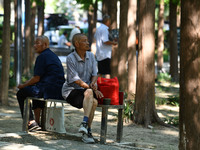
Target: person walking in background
{"points": [[72, 33], [104, 47], [63, 42], [80, 88], [46, 82]]}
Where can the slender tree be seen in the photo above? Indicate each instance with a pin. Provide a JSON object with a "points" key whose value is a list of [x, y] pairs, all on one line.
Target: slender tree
{"points": [[190, 76], [173, 41], [132, 65], [40, 4], [160, 36], [145, 112], [5, 55], [27, 50], [122, 52], [112, 12]]}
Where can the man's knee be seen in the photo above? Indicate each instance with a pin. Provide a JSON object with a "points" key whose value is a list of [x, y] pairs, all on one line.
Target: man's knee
{"points": [[88, 94]]}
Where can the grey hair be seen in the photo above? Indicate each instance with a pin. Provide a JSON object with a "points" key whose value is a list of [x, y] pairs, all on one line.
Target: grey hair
{"points": [[105, 18]]}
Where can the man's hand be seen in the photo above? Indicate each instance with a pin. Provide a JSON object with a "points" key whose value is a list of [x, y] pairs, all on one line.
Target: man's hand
{"points": [[93, 86], [20, 86], [98, 94]]}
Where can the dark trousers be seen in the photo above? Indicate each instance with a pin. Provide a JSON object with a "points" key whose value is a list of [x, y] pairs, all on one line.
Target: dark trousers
{"points": [[29, 91]]}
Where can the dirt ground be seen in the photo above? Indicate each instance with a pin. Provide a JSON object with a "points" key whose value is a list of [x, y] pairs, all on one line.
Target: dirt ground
{"points": [[134, 136]]}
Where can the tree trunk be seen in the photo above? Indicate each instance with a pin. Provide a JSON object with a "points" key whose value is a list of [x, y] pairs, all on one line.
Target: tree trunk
{"points": [[15, 41], [92, 19], [173, 42], [189, 122], [160, 36], [105, 6], [113, 15], [41, 17], [132, 65], [27, 49], [122, 66], [32, 51], [5, 54], [145, 91]]}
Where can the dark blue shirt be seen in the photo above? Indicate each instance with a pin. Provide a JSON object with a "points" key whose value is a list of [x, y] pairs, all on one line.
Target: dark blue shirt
{"points": [[48, 66]]}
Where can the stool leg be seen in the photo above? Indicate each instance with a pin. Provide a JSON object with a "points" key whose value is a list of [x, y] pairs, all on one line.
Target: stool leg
{"points": [[119, 126], [43, 117], [26, 115], [104, 117]]}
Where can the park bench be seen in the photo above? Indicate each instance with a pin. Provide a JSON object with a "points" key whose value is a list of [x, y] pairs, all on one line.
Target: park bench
{"points": [[104, 116]]}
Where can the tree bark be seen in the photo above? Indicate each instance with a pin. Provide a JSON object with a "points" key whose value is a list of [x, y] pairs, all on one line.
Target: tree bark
{"points": [[145, 91], [41, 17], [173, 42], [122, 66], [112, 12], [160, 36], [32, 51], [27, 50], [105, 6], [5, 55], [132, 65], [189, 115]]}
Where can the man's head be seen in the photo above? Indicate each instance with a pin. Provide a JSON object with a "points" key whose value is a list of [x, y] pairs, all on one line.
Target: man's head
{"points": [[41, 43], [65, 33], [80, 42], [106, 20]]}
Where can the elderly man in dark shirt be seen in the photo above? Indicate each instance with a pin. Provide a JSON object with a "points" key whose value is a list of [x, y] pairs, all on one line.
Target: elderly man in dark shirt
{"points": [[46, 83]]}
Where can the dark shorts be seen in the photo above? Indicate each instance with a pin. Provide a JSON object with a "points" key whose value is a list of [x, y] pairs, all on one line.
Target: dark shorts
{"points": [[76, 97], [104, 66]]}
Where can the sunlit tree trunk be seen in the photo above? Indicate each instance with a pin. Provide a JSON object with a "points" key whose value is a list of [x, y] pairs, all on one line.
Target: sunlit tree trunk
{"points": [[122, 49], [189, 121], [132, 65], [173, 42], [4, 85], [145, 91], [160, 36]]}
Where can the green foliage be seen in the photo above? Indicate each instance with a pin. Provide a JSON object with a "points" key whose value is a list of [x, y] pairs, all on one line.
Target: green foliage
{"points": [[164, 77], [173, 100], [128, 110], [172, 120]]}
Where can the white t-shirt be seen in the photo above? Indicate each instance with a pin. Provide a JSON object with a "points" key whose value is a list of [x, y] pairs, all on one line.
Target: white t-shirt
{"points": [[72, 33], [103, 51], [62, 41]]}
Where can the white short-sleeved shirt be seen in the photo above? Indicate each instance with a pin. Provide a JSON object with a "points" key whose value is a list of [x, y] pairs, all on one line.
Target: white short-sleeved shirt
{"points": [[77, 69], [102, 35], [62, 41]]}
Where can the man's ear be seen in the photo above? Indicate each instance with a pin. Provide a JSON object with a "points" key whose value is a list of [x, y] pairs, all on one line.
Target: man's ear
{"points": [[76, 44]]}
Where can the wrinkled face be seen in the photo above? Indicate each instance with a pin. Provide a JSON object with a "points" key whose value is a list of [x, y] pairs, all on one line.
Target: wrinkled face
{"points": [[83, 43], [39, 45]]}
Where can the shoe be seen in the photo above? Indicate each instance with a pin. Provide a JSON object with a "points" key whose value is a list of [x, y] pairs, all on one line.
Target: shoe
{"points": [[88, 138], [34, 127], [83, 128]]}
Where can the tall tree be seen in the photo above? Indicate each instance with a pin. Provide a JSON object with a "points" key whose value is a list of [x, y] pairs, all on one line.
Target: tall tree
{"points": [[160, 36], [27, 50], [105, 6], [173, 41], [112, 12], [132, 65], [5, 55], [33, 15], [190, 76], [122, 52], [40, 4], [145, 112]]}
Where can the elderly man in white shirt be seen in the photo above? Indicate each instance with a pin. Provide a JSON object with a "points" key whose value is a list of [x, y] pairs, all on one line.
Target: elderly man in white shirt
{"points": [[104, 47]]}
